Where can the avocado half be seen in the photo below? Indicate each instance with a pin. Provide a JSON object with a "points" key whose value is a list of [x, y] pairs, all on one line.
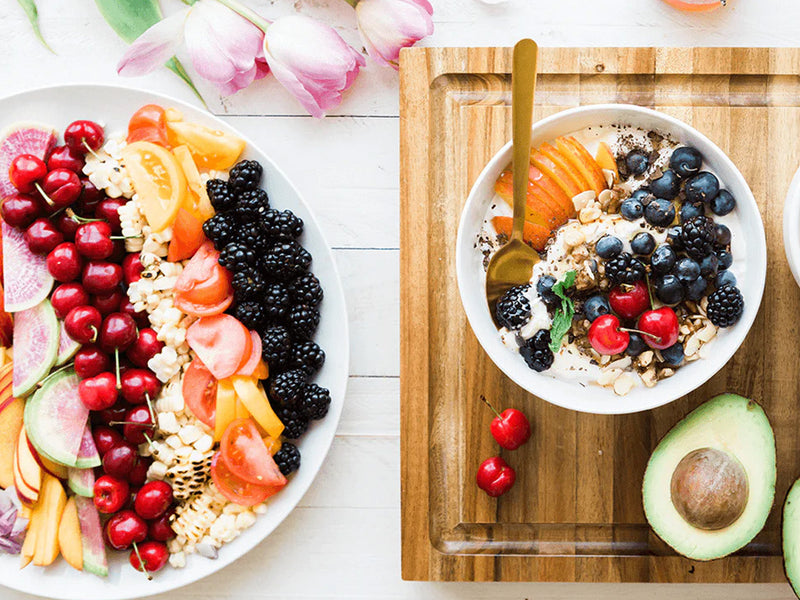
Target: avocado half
{"points": [[710, 482], [791, 537]]}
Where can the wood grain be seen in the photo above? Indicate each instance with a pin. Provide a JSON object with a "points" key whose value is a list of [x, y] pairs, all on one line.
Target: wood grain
{"points": [[575, 514]]}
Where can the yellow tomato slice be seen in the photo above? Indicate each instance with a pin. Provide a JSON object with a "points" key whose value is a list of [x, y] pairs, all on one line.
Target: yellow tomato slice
{"points": [[158, 180], [197, 201], [257, 404], [210, 148], [226, 407]]}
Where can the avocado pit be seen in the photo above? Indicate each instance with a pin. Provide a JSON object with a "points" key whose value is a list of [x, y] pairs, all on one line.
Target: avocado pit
{"points": [[709, 488]]}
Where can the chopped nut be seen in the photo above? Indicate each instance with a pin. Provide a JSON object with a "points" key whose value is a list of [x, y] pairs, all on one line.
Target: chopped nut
{"points": [[645, 358], [608, 377], [664, 373], [583, 199], [623, 384], [692, 345], [605, 198], [621, 363], [589, 214], [649, 377], [610, 178], [574, 237], [707, 333]]}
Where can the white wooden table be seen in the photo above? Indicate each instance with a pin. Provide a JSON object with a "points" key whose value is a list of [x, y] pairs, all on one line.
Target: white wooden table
{"points": [[344, 539]]}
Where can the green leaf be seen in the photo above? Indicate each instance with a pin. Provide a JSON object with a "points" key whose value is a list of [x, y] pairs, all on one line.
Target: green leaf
{"points": [[174, 65], [562, 319], [29, 6]]}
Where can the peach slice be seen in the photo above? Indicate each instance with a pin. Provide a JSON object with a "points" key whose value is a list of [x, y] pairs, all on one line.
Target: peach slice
{"points": [[535, 211], [584, 162], [566, 166], [696, 5], [606, 159], [561, 176], [553, 191], [535, 235]]}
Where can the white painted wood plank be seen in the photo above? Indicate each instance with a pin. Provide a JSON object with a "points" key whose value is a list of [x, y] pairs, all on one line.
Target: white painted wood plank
{"points": [[371, 408]]}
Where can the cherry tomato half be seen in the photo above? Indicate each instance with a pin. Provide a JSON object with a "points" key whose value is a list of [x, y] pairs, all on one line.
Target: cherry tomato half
{"points": [[246, 455]]}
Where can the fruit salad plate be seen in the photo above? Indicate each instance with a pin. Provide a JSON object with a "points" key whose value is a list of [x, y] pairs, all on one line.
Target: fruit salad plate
{"points": [[180, 341]]}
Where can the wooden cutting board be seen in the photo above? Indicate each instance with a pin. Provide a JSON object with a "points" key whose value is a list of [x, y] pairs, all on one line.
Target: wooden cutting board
{"points": [[575, 513]]}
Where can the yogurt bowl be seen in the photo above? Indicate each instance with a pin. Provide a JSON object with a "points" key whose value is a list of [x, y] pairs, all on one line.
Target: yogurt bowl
{"points": [[575, 385]]}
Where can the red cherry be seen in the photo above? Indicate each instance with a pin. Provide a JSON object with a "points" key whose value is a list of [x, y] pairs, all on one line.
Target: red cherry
{"points": [[91, 361], [80, 134], [154, 556], [660, 327], [139, 316], [64, 262], [101, 277], [98, 392], [105, 438], [629, 301], [93, 240], [64, 157], [20, 210], [146, 346], [118, 332], [138, 384], [108, 210], [495, 477], [119, 460], [26, 171], [90, 197], [108, 303], [61, 187], [160, 529], [510, 428], [68, 296], [138, 474], [67, 225], [114, 414], [82, 323], [153, 500], [124, 529], [606, 337], [135, 434], [110, 494], [42, 236], [132, 268]]}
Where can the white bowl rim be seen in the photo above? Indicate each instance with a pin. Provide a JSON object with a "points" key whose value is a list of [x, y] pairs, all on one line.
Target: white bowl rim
{"points": [[791, 226]]}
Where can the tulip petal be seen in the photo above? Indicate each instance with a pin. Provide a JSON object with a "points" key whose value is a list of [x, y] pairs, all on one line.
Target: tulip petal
{"points": [[387, 26], [154, 47]]}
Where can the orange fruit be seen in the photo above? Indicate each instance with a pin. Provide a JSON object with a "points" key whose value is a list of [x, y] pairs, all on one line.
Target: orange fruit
{"points": [[210, 148]]}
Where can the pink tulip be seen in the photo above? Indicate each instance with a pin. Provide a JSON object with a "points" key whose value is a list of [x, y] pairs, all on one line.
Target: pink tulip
{"points": [[225, 48], [312, 61], [386, 26]]}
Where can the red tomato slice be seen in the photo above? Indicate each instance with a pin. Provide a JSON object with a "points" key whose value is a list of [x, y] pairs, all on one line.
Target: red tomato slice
{"points": [[248, 367], [203, 310], [148, 134], [148, 124], [187, 236], [204, 287], [235, 489], [200, 392], [247, 457], [221, 342]]}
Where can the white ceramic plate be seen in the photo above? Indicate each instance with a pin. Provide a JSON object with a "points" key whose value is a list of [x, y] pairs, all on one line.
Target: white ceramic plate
{"points": [[791, 226], [112, 106], [749, 248]]}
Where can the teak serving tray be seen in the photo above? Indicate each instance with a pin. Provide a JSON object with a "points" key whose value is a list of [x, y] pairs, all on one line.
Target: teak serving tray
{"points": [[575, 513]]}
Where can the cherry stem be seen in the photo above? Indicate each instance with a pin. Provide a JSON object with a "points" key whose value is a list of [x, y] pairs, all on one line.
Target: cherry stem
{"points": [[93, 329], [150, 406], [125, 237], [486, 402], [79, 219], [649, 289], [655, 337], [116, 366], [150, 442], [138, 424], [142, 568], [45, 197], [90, 149]]}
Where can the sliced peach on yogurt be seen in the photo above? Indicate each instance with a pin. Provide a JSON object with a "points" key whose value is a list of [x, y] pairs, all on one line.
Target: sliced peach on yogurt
{"points": [[566, 167], [606, 159], [582, 161], [565, 207], [535, 211], [535, 235]]}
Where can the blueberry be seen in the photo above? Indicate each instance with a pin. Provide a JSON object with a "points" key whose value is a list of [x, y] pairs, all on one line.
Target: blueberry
{"points": [[724, 278], [722, 235], [709, 265], [673, 355], [696, 289], [667, 186], [725, 259], [703, 187], [722, 203], [669, 289], [687, 270], [631, 209], [608, 246], [686, 161], [637, 162], [643, 243], [544, 287], [691, 209], [659, 213], [643, 195], [596, 306], [636, 345], [663, 259], [675, 237]]}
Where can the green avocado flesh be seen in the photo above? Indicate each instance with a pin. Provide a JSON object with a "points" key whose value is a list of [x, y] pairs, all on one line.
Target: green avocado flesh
{"points": [[791, 537], [710, 482]]}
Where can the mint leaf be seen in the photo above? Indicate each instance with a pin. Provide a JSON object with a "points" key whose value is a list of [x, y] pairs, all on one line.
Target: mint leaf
{"points": [[562, 319]]}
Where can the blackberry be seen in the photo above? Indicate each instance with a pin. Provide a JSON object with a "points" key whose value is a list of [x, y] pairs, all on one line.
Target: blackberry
{"points": [[698, 235], [245, 175], [306, 290], [237, 257], [286, 260], [220, 229], [220, 194], [250, 313], [287, 458], [295, 424], [303, 321], [536, 351], [286, 388], [725, 306], [513, 309], [248, 284], [252, 235], [276, 301], [276, 347], [624, 269], [282, 225], [251, 206], [307, 355], [314, 402]]}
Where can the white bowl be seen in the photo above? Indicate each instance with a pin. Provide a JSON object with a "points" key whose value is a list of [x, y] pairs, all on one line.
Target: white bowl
{"points": [[791, 226], [749, 249]]}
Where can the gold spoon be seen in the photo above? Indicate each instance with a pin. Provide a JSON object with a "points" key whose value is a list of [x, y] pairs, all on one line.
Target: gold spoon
{"points": [[511, 264]]}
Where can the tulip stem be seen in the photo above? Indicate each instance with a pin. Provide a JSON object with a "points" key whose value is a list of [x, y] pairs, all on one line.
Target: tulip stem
{"points": [[247, 13], [352, 2]]}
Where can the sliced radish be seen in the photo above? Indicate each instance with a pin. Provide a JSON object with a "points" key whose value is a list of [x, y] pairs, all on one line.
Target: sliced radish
{"points": [[81, 481], [67, 347], [26, 280], [36, 334], [94, 549], [22, 138], [88, 456]]}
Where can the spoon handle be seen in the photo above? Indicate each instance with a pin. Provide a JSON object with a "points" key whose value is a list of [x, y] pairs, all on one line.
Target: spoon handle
{"points": [[523, 82]]}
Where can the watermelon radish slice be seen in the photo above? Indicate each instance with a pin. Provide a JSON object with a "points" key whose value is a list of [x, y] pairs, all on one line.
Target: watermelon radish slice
{"points": [[94, 548], [81, 481], [36, 333], [26, 280], [67, 347], [88, 456], [22, 138], [55, 418]]}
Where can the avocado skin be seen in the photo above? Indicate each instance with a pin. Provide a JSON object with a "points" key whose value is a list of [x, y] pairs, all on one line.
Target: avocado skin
{"points": [[790, 533], [727, 422]]}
